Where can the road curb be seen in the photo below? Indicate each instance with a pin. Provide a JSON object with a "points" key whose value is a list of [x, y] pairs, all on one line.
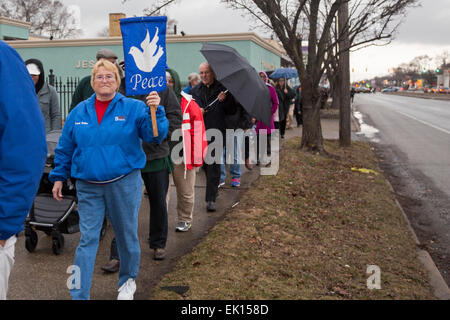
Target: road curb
{"points": [[440, 288], [355, 121]]}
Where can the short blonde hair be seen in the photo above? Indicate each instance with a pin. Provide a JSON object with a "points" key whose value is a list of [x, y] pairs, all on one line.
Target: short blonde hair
{"points": [[108, 65]]}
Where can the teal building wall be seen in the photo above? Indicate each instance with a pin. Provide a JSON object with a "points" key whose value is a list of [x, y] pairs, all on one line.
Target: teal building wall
{"points": [[13, 29], [70, 59], [77, 57]]}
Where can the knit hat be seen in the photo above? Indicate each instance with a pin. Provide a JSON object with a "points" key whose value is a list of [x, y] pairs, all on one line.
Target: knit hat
{"points": [[106, 54]]}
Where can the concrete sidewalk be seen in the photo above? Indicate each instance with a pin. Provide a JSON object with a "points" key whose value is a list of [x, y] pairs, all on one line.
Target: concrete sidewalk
{"points": [[42, 275]]}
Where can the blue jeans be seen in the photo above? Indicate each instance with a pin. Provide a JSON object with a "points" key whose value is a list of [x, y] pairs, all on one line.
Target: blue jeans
{"points": [[121, 200], [235, 167]]}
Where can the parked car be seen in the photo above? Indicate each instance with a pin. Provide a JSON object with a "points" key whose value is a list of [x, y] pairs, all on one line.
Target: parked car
{"points": [[364, 90], [390, 89]]}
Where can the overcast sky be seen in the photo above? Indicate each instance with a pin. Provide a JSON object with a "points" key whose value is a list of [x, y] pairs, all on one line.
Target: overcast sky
{"points": [[426, 29]]}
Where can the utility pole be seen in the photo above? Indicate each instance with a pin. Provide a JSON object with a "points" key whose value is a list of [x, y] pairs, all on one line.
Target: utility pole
{"points": [[344, 74]]}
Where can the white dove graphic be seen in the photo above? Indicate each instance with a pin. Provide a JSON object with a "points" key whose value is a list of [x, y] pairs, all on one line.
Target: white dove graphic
{"points": [[147, 59]]}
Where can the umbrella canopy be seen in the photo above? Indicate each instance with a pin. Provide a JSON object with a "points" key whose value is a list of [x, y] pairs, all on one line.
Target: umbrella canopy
{"points": [[286, 73], [241, 79]]}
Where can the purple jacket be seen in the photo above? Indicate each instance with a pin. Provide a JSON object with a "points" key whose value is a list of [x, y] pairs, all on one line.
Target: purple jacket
{"points": [[274, 99]]}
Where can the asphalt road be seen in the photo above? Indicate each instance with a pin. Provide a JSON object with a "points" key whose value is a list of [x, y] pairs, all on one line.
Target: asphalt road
{"points": [[412, 139]]}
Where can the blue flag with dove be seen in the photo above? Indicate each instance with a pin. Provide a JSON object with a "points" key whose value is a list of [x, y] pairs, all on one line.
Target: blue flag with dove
{"points": [[144, 48]]}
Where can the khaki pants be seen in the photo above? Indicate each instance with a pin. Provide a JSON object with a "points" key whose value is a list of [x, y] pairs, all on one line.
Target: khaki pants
{"points": [[290, 117], [6, 264], [185, 192]]}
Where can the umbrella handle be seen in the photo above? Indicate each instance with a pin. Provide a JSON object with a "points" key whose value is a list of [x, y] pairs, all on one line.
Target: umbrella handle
{"points": [[209, 105]]}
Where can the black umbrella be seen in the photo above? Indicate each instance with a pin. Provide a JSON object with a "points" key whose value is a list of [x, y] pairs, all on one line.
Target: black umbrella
{"points": [[241, 79]]}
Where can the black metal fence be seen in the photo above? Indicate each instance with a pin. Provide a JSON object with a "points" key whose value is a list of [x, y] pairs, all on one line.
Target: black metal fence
{"points": [[65, 90]]}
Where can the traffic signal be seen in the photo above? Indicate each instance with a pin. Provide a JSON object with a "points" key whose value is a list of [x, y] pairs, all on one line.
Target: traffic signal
{"points": [[438, 70]]}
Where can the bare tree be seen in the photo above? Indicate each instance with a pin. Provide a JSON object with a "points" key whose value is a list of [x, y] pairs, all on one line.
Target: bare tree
{"points": [[369, 21], [292, 21], [104, 32], [47, 18], [442, 59], [158, 8], [344, 77]]}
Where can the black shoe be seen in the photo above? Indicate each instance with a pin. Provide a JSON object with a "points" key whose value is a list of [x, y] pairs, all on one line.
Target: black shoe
{"points": [[159, 254], [211, 206], [248, 165], [112, 266]]}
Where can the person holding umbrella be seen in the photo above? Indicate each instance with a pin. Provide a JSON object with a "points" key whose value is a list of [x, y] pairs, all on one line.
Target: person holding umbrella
{"points": [[215, 103], [285, 95]]}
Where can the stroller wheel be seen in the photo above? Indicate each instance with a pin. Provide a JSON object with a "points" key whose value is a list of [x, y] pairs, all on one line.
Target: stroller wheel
{"points": [[31, 240], [57, 244]]}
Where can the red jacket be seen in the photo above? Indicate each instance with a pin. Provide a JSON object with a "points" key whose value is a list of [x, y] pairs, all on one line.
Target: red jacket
{"points": [[194, 137]]}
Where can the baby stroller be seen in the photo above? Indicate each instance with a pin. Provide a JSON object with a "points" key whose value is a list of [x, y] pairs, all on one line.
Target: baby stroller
{"points": [[49, 215]]}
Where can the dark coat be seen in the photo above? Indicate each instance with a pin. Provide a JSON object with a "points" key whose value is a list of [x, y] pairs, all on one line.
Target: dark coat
{"points": [[240, 120], [82, 92], [285, 100], [215, 115], [298, 102]]}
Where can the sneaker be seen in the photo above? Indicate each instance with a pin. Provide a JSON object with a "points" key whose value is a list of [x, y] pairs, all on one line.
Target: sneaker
{"points": [[127, 290], [159, 254], [183, 226], [221, 183], [236, 182]]}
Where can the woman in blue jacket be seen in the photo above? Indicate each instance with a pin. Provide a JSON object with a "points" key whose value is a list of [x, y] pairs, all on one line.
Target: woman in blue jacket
{"points": [[101, 147]]}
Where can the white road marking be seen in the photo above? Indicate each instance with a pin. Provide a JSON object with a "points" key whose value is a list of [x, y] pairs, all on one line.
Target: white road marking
{"points": [[424, 122]]}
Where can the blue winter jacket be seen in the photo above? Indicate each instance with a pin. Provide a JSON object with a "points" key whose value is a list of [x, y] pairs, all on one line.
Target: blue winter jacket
{"points": [[100, 152], [23, 149]]}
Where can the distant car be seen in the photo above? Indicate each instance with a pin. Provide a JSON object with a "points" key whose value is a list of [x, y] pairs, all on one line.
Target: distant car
{"points": [[390, 89], [365, 90]]}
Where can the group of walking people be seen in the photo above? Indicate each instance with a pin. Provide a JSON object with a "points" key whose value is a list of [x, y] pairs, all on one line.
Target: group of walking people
{"points": [[109, 147]]}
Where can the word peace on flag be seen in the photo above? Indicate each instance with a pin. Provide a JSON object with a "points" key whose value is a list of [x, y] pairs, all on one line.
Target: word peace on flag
{"points": [[144, 48]]}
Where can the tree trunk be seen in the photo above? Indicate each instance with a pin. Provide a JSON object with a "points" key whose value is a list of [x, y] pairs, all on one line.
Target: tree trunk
{"points": [[344, 76], [336, 96], [312, 139]]}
